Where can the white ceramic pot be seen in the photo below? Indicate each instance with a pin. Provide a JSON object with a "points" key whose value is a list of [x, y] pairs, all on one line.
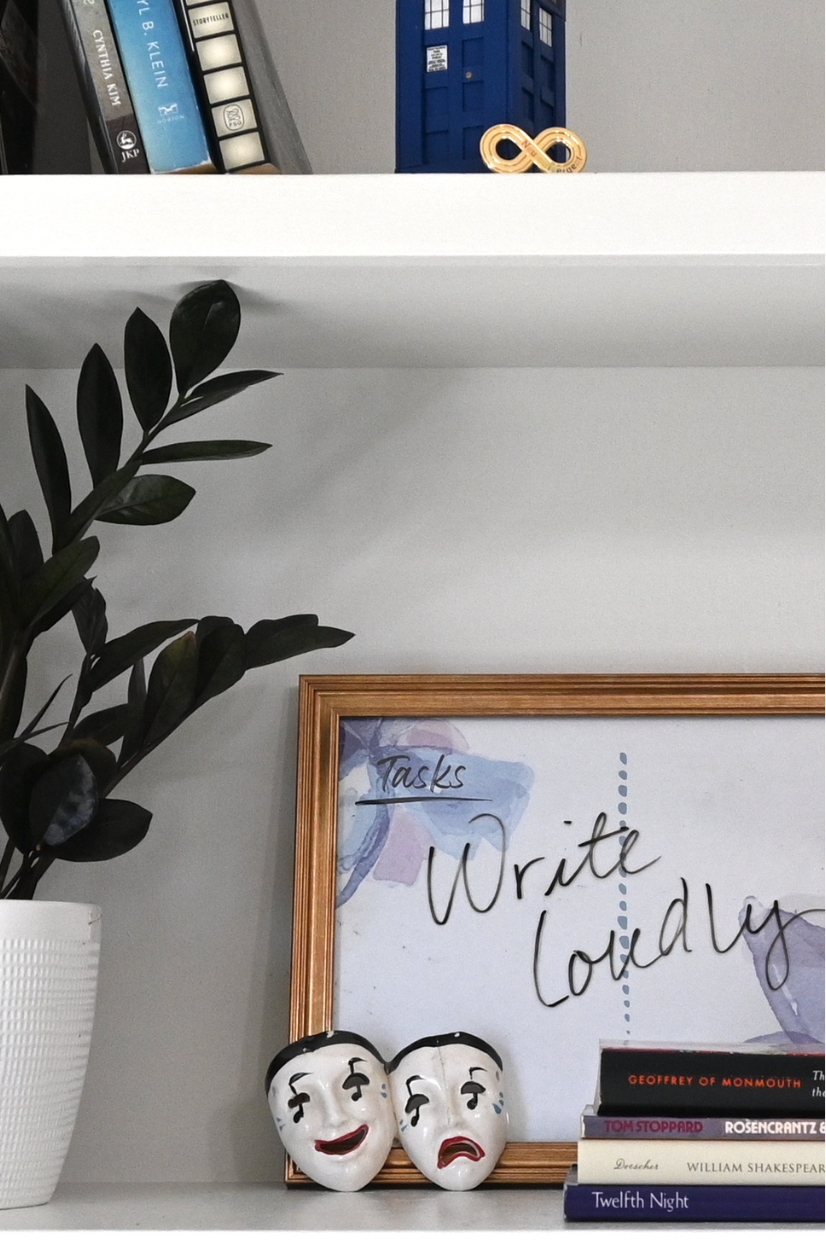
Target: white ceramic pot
{"points": [[48, 978]]}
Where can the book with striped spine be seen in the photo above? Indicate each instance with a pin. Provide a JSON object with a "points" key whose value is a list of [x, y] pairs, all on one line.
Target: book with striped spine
{"points": [[250, 123]]}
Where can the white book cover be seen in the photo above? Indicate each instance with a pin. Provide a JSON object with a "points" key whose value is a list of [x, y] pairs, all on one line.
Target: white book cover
{"points": [[608, 1161]]}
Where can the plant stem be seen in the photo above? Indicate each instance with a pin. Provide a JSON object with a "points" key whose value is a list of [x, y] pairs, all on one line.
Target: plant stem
{"points": [[8, 853], [16, 653]]}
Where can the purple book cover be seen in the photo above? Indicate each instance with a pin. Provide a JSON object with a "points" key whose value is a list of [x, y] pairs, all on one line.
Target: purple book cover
{"points": [[709, 1203]]}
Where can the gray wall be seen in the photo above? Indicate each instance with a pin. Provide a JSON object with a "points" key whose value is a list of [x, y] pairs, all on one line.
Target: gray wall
{"points": [[520, 520], [516, 520], [653, 85]]}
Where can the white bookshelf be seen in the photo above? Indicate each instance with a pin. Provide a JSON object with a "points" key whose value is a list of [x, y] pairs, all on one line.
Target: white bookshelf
{"points": [[614, 270], [618, 269]]}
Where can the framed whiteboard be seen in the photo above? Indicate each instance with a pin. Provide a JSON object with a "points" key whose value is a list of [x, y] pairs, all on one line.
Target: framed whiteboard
{"points": [[547, 861]]}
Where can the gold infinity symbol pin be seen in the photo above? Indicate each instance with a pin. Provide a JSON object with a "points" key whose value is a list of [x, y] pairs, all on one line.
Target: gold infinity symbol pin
{"points": [[532, 150]]}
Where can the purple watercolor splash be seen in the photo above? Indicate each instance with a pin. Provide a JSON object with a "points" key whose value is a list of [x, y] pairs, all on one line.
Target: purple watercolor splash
{"points": [[790, 969], [404, 813]]}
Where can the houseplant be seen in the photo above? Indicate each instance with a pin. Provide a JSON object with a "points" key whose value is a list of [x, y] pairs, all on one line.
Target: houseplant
{"points": [[56, 779]]}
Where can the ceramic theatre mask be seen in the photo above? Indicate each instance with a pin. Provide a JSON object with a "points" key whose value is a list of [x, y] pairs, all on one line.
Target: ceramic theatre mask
{"points": [[450, 1107], [330, 1099]]}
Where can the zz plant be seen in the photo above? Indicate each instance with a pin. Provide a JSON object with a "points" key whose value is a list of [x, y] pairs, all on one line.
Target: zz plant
{"points": [[57, 803]]}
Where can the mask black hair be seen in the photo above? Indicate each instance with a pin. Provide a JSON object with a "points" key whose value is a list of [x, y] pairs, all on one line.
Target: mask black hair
{"points": [[447, 1039], [312, 1042]]}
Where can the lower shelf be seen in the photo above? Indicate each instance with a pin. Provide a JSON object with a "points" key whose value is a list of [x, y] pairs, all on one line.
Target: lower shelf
{"points": [[275, 1207]]}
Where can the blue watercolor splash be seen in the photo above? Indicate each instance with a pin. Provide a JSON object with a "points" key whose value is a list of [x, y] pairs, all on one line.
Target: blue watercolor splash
{"points": [[391, 841], [792, 986]]}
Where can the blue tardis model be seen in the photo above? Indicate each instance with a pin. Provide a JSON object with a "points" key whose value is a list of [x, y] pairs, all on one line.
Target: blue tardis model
{"points": [[464, 65]]}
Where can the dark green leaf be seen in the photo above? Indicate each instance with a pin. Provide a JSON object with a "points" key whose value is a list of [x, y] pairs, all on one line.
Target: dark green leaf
{"points": [[148, 369], [207, 624], [60, 574], [202, 330], [105, 726], [62, 801], [31, 727], [264, 630], [88, 509], [204, 450], [117, 827], [171, 689], [216, 390], [101, 759], [55, 614], [13, 708], [151, 499], [49, 462], [8, 557], [9, 592], [28, 554], [18, 773], [99, 414], [136, 702], [221, 660], [123, 652], [287, 642], [90, 617]]}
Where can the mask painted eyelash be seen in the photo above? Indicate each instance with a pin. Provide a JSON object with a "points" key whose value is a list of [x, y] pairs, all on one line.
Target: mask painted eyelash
{"points": [[356, 1081], [415, 1102], [298, 1101], [474, 1089]]}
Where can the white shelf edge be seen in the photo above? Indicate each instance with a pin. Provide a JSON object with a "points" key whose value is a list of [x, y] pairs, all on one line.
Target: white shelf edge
{"points": [[741, 217]]}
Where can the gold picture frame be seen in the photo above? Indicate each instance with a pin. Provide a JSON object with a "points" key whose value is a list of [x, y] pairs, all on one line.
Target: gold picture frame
{"points": [[325, 700]]}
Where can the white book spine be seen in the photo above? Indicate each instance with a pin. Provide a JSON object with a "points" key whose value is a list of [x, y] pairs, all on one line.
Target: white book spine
{"points": [[607, 1161]]}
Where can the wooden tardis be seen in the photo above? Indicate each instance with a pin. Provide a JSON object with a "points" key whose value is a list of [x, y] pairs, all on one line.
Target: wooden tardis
{"points": [[464, 65]]}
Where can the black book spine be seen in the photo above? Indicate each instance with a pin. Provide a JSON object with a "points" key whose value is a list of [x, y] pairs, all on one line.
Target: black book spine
{"points": [[224, 84], [648, 1081], [103, 82]]}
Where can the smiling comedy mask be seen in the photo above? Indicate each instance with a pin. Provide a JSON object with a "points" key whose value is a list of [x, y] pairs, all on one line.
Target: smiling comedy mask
{"points": [[330, 1100], [450, 1107]]}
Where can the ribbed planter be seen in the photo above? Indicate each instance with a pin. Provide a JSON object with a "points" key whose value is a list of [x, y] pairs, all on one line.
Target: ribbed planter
{"points": [[48, 978]]}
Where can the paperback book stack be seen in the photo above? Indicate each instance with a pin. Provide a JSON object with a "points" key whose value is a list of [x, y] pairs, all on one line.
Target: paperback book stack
{"points": [[702, 1133], [168, 86]]}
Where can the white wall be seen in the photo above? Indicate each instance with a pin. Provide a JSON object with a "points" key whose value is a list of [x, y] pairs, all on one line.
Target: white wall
{"points": [[653, 85], [510, 520]]}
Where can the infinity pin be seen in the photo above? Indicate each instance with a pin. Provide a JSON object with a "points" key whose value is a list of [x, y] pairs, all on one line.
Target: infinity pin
{"points": [[532, 150]]}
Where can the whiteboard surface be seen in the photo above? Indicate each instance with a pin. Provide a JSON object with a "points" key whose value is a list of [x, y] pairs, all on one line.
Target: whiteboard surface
{"points": [[732, 803]]}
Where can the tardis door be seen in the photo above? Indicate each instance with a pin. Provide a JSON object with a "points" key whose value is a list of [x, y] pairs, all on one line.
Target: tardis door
{"points": [[451, 81], [537, 91]]}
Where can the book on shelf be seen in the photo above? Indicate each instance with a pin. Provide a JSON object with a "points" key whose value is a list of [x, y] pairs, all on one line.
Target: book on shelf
{"points": [[109, 106], [248, 117], [652, 1161], [42, 114], [753, 1078], [700, 1127], [696, 1203], [157, 70]]}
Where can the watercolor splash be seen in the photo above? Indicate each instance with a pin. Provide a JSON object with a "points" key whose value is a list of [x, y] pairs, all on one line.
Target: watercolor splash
{"points": [[409, 785], [791, 980]]}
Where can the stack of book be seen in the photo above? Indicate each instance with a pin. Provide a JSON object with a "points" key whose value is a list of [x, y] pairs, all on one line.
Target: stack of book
{"points": [[702, 1133], [167, 86]]}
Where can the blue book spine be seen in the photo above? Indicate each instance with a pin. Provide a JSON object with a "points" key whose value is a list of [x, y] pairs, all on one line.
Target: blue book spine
{"points": [[694, 1203], [155, 62]]}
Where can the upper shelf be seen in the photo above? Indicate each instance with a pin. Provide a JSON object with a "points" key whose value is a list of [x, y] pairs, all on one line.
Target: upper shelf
{"points": [[614, 269]]}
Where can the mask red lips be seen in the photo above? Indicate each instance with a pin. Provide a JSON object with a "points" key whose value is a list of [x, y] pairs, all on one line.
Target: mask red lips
{"points": [[343, 1145], [458, 1147]]}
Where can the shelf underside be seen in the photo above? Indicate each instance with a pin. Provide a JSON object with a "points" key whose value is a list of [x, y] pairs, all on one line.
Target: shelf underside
{"points": [[427, 313], [684, 269]]}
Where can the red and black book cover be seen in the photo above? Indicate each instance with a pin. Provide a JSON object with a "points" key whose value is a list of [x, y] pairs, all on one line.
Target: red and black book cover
{"points": [[748, 1079]]}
